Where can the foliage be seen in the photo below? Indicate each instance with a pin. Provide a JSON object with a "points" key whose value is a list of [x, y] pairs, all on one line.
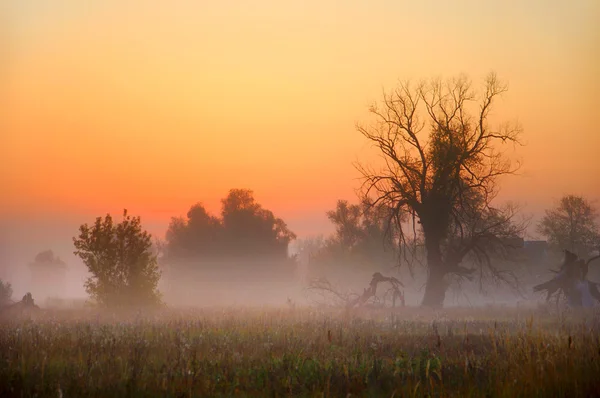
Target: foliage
{"points": [[251, 230], [198, 236], [244, 230], [6, 293], [302, 352], [572, 224], [360, 240], [360, 227], [47, 259], [442, 179], [121, 260]]}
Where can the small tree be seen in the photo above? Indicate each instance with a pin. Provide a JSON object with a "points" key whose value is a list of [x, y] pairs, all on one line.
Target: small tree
{"points": [[571, 225], [6, 293], [121, 260], [48, 274]]}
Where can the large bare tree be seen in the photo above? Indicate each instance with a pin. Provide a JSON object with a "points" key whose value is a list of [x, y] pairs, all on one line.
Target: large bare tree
{"points": [[441, 165]]}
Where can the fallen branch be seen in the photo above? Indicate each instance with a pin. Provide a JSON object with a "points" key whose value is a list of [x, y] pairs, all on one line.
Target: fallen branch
{"points": [[351, 300]]}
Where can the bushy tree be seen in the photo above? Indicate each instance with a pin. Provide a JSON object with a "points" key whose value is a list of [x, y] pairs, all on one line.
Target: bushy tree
{"points": [[197, 236], [571, 225], [244, 245], [251, 230], [362, 239], [360, 229], [244, 230], [6, 293], [49, 259], [121, 260]]}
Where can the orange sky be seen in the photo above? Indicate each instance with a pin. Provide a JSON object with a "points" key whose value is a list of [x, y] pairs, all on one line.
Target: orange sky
{"points": [[154, 106]]}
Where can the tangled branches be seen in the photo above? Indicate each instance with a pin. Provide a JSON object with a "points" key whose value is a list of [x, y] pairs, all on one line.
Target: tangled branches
{"points": [[332, 295]]}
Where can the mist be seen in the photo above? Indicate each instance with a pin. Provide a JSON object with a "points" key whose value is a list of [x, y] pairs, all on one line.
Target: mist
{"points": [[230, 283], [315, 198]]}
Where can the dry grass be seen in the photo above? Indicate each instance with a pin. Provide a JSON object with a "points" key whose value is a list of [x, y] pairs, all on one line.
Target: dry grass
{"points": [[302, 352]]}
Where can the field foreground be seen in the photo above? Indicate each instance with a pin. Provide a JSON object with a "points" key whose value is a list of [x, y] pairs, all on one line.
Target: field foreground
{"points": [[302, 352]]}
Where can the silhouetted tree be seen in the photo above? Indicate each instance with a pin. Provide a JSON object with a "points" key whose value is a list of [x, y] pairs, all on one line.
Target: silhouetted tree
{"points": [[361, 240], [244, 230], [198, 236], [250, 230], [443, 177], [246, 244], [6, 293], [347, 221], [360, 230], [48, 258], [121, 260], [572, 225], [48, 273]]}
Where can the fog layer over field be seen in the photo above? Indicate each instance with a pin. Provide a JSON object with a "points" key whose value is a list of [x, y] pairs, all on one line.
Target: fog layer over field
{"points": [[227, 284]]}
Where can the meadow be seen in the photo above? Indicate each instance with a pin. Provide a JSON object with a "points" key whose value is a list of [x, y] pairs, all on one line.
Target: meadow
{"points": [[305, 352]]}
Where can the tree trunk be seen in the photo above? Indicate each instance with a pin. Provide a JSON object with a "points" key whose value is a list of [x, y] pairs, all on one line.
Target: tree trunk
{"points": [[434, 218], [435, 289]]}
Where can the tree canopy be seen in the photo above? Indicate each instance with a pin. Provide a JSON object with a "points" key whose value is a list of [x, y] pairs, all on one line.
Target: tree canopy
{"points": [[121, 260], [47, 260], [572, 225], [361, 237], [244, 230]]}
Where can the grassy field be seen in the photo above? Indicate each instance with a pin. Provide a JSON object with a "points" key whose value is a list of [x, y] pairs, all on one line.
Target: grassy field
{"points": [[302, 352]]}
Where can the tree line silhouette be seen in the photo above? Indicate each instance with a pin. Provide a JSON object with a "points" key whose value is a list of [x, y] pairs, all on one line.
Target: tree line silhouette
{"points": [[433, 196], [244, 229]]}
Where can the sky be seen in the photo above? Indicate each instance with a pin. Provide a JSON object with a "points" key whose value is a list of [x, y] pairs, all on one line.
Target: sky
{"points": [[154, 106]]}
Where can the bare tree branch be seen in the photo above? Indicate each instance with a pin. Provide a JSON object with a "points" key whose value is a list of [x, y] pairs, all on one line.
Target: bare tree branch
{"points": [[445, 177]]}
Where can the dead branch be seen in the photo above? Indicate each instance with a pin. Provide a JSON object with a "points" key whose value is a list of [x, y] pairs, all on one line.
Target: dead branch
{"points": [[352, 300], [326, 290]]}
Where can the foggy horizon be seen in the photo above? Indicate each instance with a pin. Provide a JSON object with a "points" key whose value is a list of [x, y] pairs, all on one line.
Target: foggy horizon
{"points": [[315, 198], [112, 106]]}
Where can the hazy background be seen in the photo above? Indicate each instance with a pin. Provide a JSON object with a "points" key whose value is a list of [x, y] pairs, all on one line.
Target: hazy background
{"points": [[154, 106]]}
